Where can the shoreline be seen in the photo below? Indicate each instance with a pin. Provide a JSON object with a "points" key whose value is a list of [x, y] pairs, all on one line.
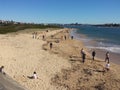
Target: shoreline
{"points": [[100, 53], [89, 75]]}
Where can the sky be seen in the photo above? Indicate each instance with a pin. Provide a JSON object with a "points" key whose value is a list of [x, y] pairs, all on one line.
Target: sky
{"points": [[61, 11]]}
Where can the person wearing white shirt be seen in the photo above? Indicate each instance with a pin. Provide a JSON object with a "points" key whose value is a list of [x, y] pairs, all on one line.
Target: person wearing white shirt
{"points": [[35, 75], [107, 66]]}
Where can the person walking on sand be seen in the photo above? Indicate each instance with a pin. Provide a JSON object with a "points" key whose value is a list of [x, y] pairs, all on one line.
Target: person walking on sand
{"points": [[82, 52], [65, 37], [107, 57], [93, 54], [83, 57], [51, 45]]}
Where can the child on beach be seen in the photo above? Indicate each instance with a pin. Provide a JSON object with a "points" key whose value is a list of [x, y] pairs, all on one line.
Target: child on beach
{"points": [[107, 57], [107, 66], [35, 75]]}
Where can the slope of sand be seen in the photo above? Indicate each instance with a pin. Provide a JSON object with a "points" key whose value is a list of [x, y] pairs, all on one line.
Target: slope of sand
{"points": [[21, 55], [60, 68], [87, 76]]}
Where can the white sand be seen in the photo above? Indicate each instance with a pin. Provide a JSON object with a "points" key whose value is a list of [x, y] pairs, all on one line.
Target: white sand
{"points": [[22, 55]]}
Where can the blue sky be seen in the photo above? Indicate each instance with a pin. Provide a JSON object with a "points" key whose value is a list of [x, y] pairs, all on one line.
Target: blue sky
{"points": [[61, 11]]}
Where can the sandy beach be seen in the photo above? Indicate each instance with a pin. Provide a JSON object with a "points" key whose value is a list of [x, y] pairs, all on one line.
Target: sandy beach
{"points": [[21, 55], [59, 68]]}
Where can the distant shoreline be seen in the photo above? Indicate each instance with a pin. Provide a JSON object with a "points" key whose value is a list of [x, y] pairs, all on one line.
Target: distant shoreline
{"points": [[114, 57]]}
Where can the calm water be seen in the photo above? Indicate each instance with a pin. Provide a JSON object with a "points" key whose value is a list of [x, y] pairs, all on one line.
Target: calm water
{"points": [[107, 38]]}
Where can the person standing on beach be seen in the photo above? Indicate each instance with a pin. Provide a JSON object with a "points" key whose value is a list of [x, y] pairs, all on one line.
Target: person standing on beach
{"points": [[43, 37], [93, 54], [65, 37], [82, 52], [72, 37], [107, 57], [51, 45], [83, 57], [33, 35]]}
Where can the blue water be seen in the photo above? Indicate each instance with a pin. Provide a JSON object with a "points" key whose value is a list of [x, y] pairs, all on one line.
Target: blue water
{"points": [[107, 38]]}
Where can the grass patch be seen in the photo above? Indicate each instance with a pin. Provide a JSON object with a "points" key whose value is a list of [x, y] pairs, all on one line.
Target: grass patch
{"points": [[8, 28]]}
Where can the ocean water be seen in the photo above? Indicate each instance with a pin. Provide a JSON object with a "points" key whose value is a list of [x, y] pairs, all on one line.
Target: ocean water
{"points": [[105, 38]]}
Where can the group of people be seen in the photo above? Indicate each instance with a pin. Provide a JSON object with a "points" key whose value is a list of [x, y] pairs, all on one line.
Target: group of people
{"points": [[34, 35], [83, 54], [63, 37], [107, 65], [34, 76]]}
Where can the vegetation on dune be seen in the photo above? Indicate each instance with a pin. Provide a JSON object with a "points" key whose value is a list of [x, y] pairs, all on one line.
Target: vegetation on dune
{"points": [[11, 27]]}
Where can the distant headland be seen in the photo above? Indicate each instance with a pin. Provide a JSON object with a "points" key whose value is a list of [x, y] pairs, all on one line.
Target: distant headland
{"points": [[99, 25]]}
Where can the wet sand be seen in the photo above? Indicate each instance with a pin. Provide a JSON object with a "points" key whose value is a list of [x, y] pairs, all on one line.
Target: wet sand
{"points": [[100, 53], [114, 57]]}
